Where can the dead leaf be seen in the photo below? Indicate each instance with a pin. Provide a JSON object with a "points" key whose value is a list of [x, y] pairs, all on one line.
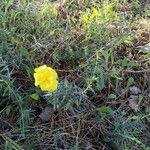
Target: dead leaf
{"points": [[144, 48], [46, 114], [133, 102], [134, 90]]}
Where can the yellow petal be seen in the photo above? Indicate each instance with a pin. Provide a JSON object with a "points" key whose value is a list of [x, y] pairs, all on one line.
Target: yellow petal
{"points": [[39, 78], [41, 68], [44, 86], [54, 85], [52, 73], [49, 86]]}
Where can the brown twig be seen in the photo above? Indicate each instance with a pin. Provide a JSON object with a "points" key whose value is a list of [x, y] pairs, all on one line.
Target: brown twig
{"points": [[136, 71], [65, 70]]}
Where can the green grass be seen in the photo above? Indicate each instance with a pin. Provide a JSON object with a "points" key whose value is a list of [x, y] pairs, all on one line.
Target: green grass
{"points": [[92, 46]]}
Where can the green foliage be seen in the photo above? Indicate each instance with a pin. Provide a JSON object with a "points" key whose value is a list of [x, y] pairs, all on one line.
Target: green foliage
{"points": [[130, 82], [87, 43], [128, 40], [105, 110], [67, 96], [35, 96], [123, 134], [102, 14], [100, 69], [112, 96], [10, 144]]}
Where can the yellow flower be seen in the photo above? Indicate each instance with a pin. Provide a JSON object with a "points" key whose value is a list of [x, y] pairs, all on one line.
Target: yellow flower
{"points": [[46, 78]]}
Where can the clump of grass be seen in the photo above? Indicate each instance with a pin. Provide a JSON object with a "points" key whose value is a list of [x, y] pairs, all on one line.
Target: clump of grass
{"points": [[92, 46]]}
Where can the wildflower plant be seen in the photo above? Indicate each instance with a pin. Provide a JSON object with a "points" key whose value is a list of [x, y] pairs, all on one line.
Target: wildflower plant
{"points": [[100, 15], [68, 96], [90, 42]]}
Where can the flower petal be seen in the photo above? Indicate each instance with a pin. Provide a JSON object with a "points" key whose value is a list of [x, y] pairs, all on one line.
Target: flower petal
{"points": [[52, 73], [41, 68], [49, 86], [39, 78]]}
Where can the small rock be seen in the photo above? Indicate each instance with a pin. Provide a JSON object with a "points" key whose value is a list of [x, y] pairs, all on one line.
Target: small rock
{"points": [[46, 114], [134, 90], [133, 102], [130, 55], [144, 48]]}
